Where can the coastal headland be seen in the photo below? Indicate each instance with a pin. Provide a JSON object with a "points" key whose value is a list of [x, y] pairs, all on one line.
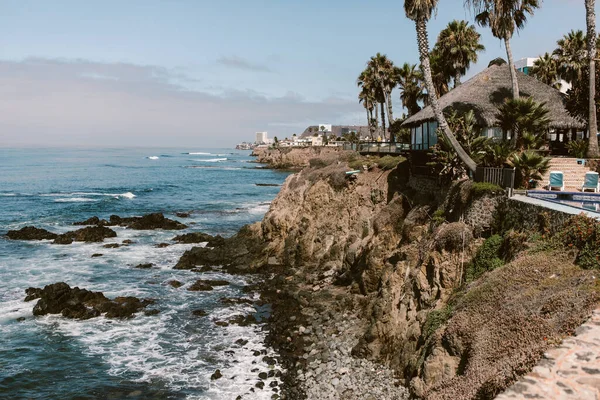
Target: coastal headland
{"points": [[388, 284]]}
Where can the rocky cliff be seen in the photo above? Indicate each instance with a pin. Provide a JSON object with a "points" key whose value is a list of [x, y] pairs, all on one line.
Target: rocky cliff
{"points": [[385, 280], [297, 157]]}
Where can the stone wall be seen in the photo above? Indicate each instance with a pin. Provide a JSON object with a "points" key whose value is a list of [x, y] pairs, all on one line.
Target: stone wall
{"points": [[529, 217], [481, 213]]}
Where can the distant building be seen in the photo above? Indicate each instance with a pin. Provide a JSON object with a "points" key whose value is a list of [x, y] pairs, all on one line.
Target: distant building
{"points": [[525, 64], [316, 140], [261, 138], [338, 130]]}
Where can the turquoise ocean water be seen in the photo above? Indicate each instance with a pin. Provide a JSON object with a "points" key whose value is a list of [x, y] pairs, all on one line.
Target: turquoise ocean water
{"points": [[169, 355]]}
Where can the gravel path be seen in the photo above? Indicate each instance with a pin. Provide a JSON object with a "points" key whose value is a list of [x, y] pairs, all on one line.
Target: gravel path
{"points": [[570, 371]]}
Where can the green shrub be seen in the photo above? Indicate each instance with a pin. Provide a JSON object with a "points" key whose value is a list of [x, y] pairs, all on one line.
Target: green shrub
{"points": [[434, 320], [577, 148], [357, 163], [439, 217], [389, 162], [486, 259], [481, 188], [583, 234]]}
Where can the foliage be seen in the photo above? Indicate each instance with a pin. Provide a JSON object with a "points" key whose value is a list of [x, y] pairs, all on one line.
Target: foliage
{"points": [[529, 166], [410, 82], [479, 189], [526, 117], [441, 72], [571, 56], [545, 69], [498, 153], [445, 159], [435, 319], [389, 162], [577, 98], [583, 233], [384, 163], [577, 148], [458, 45], [487, 258], [497, 61], [514, 242], [503, 16], [438, 217]]}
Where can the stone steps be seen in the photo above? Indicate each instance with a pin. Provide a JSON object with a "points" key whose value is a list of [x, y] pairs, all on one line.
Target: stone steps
{"points": [[573, 173]]}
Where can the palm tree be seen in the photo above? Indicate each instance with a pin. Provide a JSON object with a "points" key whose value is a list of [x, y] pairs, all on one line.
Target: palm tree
{"points": [[420, 11], [545, 69], [369, 96], [590, 14], [458, 45], [571, 54], [384, 73], [441, 72], [523, 117], [411, 87], [529, 166], [504, 17]]}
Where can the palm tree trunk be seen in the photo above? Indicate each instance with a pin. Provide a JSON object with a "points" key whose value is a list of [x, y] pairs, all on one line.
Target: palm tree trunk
{"points": [[590, 14], [513, 71], [368, 116], [457, 79], [423, 43], [371, 127], [383, 120], [376, 121], [388, 97]]}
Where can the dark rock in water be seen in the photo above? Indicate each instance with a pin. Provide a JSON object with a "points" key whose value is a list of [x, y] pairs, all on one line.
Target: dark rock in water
{"points": [[202, 269], [199, 313], [214, 282], [216, 375], [199, 237], [21, 319], [241, 342], [144, 266], [175, 283], [33, 293], [147, 222], [31, 233], [162, 245], [92, 221], [60, 298], [269, 360], [127, 241], [151, 312], [97, 255], [263, 375], [112, 246], [267, 184], [235, 300], [89, 234], [260, 384], [242, 320], [183, 214], [200, 286], [221, 323]]}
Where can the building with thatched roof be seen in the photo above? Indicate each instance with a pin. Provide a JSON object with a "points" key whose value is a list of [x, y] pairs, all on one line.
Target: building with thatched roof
{"points": [[483, 94]]}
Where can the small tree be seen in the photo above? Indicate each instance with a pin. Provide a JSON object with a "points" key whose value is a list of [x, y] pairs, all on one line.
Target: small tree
{"points": [[523, 116], [322, 128], [275, 140], [529, 166]]}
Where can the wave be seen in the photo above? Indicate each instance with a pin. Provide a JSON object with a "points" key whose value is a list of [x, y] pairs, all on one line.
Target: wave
{"points": [[153, 157], [7, 194], [199, 154], [213, 167], [213, 160], [74, 200], [126, 195]]}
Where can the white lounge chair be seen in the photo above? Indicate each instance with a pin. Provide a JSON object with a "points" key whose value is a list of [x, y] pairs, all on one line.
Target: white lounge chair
{"points": [[556, 180], [590, 182]]}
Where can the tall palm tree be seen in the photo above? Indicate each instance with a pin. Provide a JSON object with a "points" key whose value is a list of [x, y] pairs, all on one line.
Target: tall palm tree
{"points": [[545, 69], [384, 73], [366, 99], [371, 95], [420, 11], [590, 14], [441, 72], [410, 83], [571, 54], [504, 17], [458, 45]]}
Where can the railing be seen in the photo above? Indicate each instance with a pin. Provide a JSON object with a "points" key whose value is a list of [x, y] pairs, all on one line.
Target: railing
{"points": [[381, 147], [503, 177]]}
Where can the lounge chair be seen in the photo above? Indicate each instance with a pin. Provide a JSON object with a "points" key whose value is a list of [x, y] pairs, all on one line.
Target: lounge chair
{"points": [[556, 180], [590, 182]]}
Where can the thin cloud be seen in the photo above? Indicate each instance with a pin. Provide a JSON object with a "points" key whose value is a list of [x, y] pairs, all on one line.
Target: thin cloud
{"points": [[243, 64], [60, 102]]}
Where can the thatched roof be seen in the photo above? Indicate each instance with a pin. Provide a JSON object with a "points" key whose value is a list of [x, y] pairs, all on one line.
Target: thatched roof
{"points": [[487, 90]]}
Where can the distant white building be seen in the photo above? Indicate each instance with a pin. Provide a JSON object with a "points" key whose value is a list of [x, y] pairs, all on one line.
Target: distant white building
{"points": [[316, 140], [525, 64], [261, 137]]}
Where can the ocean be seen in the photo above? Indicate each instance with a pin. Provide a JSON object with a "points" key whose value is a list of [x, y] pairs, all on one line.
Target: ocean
{"points": [[166, 356]]}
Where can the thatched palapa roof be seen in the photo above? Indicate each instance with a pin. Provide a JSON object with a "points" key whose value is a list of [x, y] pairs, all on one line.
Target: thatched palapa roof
{"points": [[488, 90]]}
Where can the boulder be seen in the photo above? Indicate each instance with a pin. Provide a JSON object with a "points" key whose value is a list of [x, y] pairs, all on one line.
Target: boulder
{"points": [[147, 222], [89, 234], [199, 285], [182, 214], [92, 221], [199, 237], [144, 266], [76, 303], [31, 233]]}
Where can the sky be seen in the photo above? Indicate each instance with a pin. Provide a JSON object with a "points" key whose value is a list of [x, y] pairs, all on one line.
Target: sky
{"points": [[174, 73]]}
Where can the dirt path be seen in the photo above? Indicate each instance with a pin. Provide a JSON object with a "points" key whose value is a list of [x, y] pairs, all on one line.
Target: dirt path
{"points": [[570, 371]]}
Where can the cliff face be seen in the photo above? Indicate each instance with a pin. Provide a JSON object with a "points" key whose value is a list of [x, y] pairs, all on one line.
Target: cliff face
{"points": [[296, 157], [378, 246]]}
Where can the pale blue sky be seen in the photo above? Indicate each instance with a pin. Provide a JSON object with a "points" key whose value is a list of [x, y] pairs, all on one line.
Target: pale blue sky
{"points": [[181, 72]]}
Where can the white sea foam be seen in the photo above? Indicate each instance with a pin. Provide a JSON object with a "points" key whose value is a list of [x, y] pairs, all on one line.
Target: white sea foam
{"points": [[7, 194], [152, 157], [213, 160], [74, 200], [84, 196], [200, 154], [260, 208]]}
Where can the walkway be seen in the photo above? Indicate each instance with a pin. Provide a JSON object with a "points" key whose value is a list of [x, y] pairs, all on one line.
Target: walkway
{"points": [[568, 372]]}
